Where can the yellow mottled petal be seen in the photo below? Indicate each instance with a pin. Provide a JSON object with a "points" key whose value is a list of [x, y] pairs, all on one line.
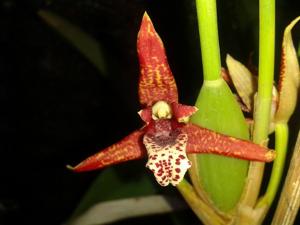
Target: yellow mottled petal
{"points": [[289, 77]]}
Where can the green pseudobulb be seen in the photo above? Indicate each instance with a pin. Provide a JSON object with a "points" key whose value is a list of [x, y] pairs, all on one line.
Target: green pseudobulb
{"points": [[222, 178]]}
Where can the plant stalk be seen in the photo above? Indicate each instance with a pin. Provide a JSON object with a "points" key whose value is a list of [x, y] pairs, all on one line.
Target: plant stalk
{"points": [[264, 95], [281, 137], [217, 178], [209, 40]]}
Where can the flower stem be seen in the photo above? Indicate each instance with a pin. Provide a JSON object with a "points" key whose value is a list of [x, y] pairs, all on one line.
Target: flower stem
{"points": [[266, 74], [203, 211], [264, 95], [265, 70], [209, 40], [281, 133]]}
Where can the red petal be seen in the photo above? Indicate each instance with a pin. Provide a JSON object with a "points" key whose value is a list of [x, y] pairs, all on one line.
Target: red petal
{"points": [[182, 111], [130, 148], [201, 140], [156, 79], [146, 114]]}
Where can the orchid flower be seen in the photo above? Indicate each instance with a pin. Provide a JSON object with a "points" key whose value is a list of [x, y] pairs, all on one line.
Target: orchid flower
{"points": [[167, 137]]}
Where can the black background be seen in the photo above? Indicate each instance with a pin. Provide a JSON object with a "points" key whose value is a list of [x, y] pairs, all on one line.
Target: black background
{"points": [[56, 108]]}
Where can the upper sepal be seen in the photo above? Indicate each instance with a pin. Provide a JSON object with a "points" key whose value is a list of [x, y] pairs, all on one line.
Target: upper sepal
{"points": [[156, 79]]}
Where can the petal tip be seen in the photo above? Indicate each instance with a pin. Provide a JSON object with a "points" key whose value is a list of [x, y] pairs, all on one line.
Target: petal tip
{"points": [[76, 168], [69, 167], [146, 16], [228, 57], [146, 25], [270, 156]]}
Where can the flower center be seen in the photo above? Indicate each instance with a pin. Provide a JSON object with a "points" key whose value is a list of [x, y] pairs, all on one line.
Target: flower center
{"points": [[161, 110], [168, 162], [166, 149]]}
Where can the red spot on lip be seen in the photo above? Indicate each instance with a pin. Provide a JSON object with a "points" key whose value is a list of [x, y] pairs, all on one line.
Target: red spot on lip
{"points": [[181, 156], [177, 170]]}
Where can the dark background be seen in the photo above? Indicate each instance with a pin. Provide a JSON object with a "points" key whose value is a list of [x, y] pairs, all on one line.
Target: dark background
{"points": [[56, 108]]}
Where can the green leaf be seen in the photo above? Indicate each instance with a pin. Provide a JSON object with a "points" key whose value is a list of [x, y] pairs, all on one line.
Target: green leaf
{"points": [[85, 44], [115, 210], [109, 185]]}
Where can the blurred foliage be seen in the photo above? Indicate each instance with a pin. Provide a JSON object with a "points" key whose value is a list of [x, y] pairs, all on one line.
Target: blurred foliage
{"points": [[85, 44], [109, 185]]}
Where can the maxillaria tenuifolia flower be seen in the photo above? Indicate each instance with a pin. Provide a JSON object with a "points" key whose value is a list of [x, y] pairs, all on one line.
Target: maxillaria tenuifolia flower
{"points": [[167, 136]]}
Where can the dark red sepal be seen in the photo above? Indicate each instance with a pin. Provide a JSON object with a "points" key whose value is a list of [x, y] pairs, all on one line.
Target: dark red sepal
{"points": [[156, 79], [202, 140], [129, 148]]}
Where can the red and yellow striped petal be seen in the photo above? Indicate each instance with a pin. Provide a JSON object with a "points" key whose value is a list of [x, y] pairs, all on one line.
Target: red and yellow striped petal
{"points": [[146, 114], [183, 112], [202, 140], [130, 148], [156, 79]]}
